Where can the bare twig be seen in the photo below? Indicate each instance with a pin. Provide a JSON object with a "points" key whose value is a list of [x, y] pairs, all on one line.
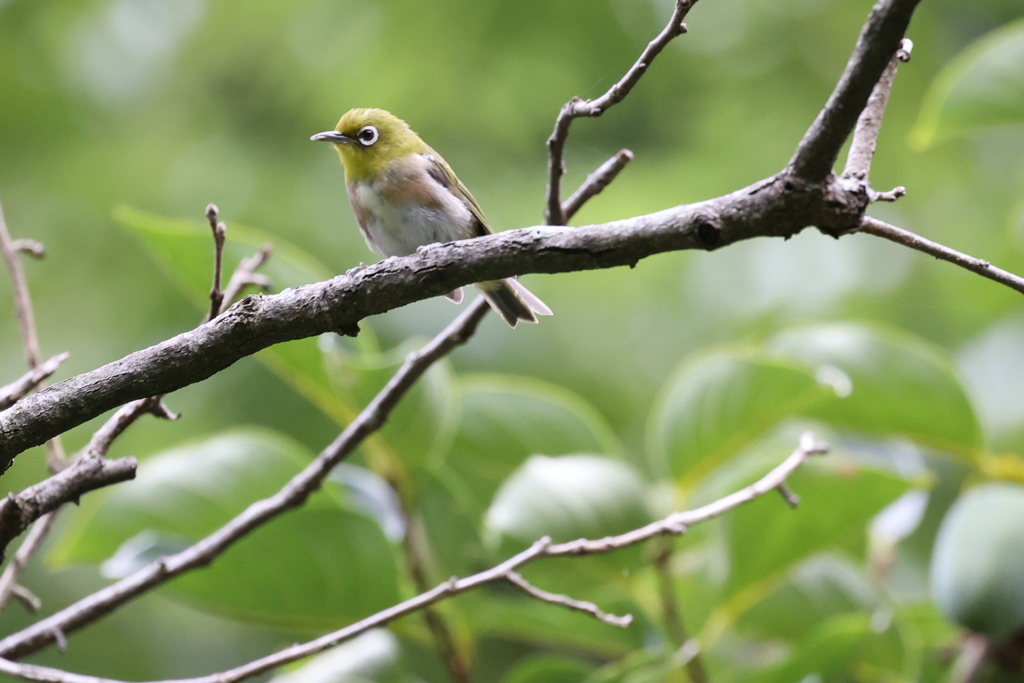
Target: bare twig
{"points": [[31, 247], [674, 524], [873, 226], [970, 664], [865, 135], [595, 183], [22, 301], [879, 40], [576, 108], [673, 617], [792, 500], [245, 275], [29, 600], [414, 548], [86, 473], [56, 459], [219, 231], [26, 551], [11, 393], [11, 250], [569, 603], [125, 416], [292, 495]]}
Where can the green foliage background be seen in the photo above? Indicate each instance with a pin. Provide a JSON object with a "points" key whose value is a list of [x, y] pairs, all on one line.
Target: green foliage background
{"points": [[689, 375]]}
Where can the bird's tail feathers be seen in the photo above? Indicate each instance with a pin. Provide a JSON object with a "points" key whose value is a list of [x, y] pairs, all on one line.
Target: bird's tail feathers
{"points": [[512, 301]]}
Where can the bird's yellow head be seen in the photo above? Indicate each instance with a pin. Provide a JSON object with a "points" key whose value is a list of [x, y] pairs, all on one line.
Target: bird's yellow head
{"points": [[368, 139]]}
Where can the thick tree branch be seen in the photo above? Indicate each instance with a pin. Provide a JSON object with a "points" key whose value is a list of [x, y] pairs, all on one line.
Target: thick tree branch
{"points": [[779, 206], [576, 108], [675, 524], [873, 226], [879, 40], [18, 389], [292, 495]]}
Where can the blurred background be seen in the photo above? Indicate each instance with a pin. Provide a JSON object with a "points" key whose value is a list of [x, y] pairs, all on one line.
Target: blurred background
{"points": [[121, 119]]}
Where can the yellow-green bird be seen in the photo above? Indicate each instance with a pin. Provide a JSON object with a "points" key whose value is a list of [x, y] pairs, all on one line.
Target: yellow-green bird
{"points": [[405, 196]]}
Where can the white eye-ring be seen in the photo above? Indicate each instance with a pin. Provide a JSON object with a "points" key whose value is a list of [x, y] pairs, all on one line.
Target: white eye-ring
{"points": [[367, 135]]}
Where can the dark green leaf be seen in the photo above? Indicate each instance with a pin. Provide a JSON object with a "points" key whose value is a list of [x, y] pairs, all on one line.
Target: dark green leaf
{"points": [[506, 419], [329, 566], [719, 402], [983, 86], [568, 497], [887, 383]]}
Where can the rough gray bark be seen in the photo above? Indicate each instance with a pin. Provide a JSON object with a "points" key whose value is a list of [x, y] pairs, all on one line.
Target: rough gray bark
{"points": [[778, 207]]}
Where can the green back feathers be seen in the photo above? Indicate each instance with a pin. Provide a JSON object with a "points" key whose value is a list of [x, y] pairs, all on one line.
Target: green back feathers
{"points": [[395, 140]]}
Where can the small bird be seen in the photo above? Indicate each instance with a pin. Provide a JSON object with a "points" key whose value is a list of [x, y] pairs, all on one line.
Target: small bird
{"points": [[405, 195]]}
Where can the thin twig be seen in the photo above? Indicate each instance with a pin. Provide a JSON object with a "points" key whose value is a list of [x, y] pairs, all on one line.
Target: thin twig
{"points": [[125, 416], [879, 40], [576, 108], [56, 459], [869, 123], [413, 547], [873, 226], [245, 275], [792, 500], [87, 473], [11, 393], [219, 231], [675, 524], [970, 664], [595, 183], [11, 250], [22, 299], [673, 616], [569, 603], [26, 551], [292, 495], [29, 600]]}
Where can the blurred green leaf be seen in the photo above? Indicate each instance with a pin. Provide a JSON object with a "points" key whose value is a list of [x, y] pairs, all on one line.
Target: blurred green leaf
{"points": [[983, 86], [452, 527], [826, 653], [373, 496], [184, 250], [329, 566], [527, 620], [506, 419], [373, 657], [886, 382], [422, 423], [715, 404], [189, 490], [766, 538], [548, 669], [822, 586], [568, 497], [976, 566]]}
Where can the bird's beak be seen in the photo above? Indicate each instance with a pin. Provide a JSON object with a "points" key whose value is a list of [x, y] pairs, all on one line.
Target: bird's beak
{"points": [[332, 136]]}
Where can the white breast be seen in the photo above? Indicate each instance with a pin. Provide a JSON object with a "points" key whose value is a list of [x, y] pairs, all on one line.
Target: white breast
{"points": [[398, 228]]}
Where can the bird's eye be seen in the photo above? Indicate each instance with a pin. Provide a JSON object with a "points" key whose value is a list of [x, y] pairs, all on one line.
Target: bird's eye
{"points": [[367, 135]]}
